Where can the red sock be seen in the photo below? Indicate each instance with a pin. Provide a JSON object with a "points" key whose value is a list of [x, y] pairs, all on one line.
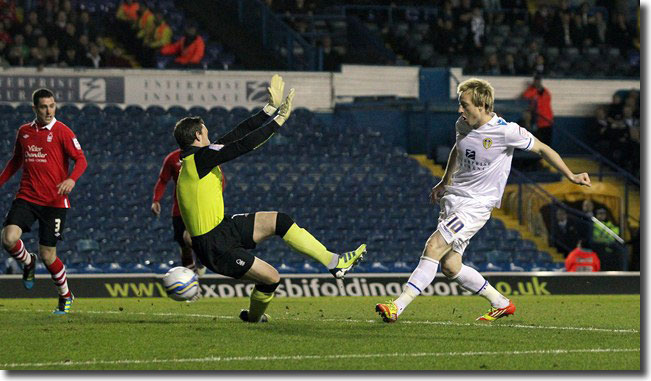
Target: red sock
{"points": [[19, 253], [58, 272]]}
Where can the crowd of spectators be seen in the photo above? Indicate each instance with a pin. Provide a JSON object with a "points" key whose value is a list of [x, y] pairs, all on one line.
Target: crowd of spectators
{"points": [[54, 34], [496, 37], [616, 130], [568, 231], [148, 35]]}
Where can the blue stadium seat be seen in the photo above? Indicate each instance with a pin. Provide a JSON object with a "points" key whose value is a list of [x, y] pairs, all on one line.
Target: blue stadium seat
{"points": [[524, 259], [479, 261], [511, 235], [24, 109], [495, 224], [6, 109], [527, 244], [199, 111], [112, 110], [68, 111], [155, 110], [91, 110], [379, 267], [177, 112], [310, 267], [134, 111], [284, 268], [542, 261]]}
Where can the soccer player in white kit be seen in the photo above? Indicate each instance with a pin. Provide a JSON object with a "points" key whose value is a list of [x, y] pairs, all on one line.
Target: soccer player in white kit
{"points": [[473, 183]]}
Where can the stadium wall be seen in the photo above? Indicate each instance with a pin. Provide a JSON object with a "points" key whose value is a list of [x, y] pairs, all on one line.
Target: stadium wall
{"points": [[315, 91], [417, 131], [296, 286], [420, 131], [570, 97]]}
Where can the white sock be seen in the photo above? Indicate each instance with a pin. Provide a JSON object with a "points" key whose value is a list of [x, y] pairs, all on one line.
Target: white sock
{"points": [[420, 278], [333, 262], [474, 282]]}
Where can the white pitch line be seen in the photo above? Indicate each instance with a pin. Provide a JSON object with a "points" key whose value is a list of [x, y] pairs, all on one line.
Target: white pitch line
{"points": [[317, 357], [420, 322]]}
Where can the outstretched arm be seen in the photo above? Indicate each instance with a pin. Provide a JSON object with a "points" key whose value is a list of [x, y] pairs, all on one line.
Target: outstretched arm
{"points": [[211, 156], [450, 167], [553, 158], [244, 128], [275, 93]]}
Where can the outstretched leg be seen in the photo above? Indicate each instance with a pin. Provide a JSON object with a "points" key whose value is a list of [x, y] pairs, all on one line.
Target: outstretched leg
{"points": [[299, 239], [471, 280], [421, 277]]}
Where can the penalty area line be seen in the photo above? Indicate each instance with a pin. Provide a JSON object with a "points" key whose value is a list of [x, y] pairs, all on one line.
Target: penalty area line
{"points": [[315, 357]]}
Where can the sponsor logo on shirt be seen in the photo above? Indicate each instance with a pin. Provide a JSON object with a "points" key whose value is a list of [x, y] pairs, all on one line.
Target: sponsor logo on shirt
{"points": [[470, 163], [240, 262], [488, 142], [34, 154], [76, 143]]}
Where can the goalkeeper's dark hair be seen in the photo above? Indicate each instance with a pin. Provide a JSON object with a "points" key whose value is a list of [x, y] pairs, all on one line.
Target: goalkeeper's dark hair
{"points": [[41, 93], [185, 130]]}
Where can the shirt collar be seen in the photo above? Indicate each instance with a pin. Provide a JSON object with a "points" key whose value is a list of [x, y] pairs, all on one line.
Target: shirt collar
{"points": [[187, 151], [48, 126], [491, 122]]}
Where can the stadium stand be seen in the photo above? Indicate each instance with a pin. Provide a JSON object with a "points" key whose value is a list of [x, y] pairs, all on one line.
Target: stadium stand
{"points": [[309, 171], [527, 36], [83, 34], [488, 38], [110, 229]]}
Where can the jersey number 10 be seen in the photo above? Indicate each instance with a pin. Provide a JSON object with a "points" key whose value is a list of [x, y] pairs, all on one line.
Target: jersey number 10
{"points": [[455, 224]]}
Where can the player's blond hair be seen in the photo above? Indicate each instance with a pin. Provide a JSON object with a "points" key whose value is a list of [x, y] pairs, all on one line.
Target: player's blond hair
{"points": [[481, 92]]}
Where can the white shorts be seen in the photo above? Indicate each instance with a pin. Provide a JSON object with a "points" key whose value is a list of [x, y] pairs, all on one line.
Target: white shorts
{"points": [[460, 219]]}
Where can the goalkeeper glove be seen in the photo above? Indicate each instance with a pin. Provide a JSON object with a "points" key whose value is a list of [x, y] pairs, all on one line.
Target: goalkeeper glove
{"points": [[285, 108], [275, 91]]}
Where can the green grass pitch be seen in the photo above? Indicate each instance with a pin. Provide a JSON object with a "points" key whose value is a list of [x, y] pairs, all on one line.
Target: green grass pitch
{"points": [[343, 333]]}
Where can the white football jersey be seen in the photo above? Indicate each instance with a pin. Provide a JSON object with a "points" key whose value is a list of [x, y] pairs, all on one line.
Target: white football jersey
{"points": [[484, 158]]}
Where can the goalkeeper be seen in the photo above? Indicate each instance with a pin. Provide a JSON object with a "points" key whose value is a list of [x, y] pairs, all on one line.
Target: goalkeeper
{"points": [[222, 242]]}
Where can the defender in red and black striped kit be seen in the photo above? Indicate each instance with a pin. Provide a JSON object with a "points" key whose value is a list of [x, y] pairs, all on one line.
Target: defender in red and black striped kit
{"points": [[170, 171], [43, 149]]}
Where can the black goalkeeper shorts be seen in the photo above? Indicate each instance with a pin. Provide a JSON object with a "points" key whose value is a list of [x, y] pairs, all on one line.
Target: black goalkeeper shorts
{"points": [[225, 249]]}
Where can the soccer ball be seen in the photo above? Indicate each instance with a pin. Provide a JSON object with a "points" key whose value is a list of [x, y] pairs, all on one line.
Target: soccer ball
{"points": [[181, 283]]}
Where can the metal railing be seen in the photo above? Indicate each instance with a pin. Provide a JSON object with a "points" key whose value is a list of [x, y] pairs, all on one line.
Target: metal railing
{"points": [[539, 212], [277, 36], [608, 168]]}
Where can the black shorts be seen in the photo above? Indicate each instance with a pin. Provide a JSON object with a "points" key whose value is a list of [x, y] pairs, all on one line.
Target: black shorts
{"points": [[179, 228], [224, 249], [50, 220]]}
